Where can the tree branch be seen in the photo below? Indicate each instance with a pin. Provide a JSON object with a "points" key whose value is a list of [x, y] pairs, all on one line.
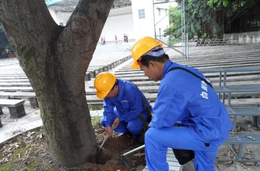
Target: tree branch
{"points": [[79, 38], [243, 10], [29, 20]]}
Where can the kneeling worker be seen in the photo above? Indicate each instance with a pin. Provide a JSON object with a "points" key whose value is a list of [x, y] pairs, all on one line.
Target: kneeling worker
{"points": [[126, 109], [185, 97]]}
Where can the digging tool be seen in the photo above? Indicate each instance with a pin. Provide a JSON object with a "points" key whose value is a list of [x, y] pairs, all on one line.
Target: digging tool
{"points": [[131, 151], [99, 150], [123, 158], [104, 140]]}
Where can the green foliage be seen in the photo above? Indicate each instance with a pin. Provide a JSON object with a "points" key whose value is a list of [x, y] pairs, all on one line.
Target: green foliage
{"points": [[95, 120], [17, 157], [222, 4], [90, 107], [175, 25], [33, 164], [219, 3], [7, 166], [212, 18], [201, 21], [238, 15], [172, 41]]}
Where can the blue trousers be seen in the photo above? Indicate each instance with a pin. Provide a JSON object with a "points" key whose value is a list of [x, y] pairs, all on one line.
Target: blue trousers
{"points": [[157, 142], [134, 126]]}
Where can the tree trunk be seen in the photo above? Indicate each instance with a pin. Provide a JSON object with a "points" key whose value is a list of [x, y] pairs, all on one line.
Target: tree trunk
{"points": [[55, 59]]}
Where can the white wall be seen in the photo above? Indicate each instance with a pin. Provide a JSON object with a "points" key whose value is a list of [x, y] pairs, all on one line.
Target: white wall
{"points": [[143, 27], [119, 23], [243, 38], [53, 14], [161, 21], [60, 17]]}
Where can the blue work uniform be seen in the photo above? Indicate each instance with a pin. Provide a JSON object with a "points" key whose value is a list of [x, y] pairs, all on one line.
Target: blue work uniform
{"points": [[189, 101], [127, 106]]}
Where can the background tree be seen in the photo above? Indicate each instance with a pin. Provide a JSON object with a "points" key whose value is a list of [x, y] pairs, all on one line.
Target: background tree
{"points": [[237, 15], [200, 20], [55, 59], [213, 18], [175, 27]]}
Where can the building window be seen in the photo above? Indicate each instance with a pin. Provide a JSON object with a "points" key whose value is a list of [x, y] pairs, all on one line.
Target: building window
{"points": [[141, 13]]}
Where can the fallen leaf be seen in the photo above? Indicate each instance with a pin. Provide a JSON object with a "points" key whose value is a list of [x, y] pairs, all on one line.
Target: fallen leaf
{"points": [[139, 154], [251, 138]]}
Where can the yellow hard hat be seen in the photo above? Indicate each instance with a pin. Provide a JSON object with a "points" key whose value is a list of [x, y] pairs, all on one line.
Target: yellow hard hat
{"points": [[141, 47], [103, 83]]}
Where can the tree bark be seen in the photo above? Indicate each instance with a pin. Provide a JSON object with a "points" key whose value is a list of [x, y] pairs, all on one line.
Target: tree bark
{"points": [[55, 59]]}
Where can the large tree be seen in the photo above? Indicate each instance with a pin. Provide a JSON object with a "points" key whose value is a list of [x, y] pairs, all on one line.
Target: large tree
{"points": [[236, 16], [55, 59]]}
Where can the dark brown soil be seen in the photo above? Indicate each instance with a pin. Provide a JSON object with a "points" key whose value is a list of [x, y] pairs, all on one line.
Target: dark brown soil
{"points": [[29, 151]]}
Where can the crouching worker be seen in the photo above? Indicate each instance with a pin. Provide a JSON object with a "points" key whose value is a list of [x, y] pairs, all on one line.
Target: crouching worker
{"points": [[126, 109], [185, 97]]}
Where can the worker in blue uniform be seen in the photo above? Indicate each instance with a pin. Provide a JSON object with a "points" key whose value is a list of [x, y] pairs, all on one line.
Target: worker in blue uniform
{"points": [[126, 109], [185, 97]]}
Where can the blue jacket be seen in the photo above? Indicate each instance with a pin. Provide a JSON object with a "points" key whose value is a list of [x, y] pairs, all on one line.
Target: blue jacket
{"points": [[187, 100], [128, 103]]}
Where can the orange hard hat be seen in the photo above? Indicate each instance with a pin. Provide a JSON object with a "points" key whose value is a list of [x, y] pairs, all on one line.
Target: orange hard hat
{"points": [[141, 47], [103, 83]]}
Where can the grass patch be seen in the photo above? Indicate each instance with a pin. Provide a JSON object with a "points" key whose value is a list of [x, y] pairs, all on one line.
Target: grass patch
{"points": [[95, 120], [7, 166], [20, 152]]}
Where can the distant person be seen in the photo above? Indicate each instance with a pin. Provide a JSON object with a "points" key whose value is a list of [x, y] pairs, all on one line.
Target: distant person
{"points": [[116, 39], [126, 109], [185, 98], [104, 40], [101, 41], [126, 38]]}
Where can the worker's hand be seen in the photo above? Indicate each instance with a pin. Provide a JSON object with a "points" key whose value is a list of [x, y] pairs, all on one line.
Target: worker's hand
{"points": [[106, 137], [116, 123], [108, 131]]}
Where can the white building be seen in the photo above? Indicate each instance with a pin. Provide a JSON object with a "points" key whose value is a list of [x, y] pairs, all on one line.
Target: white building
{"points": [[135, 18]]}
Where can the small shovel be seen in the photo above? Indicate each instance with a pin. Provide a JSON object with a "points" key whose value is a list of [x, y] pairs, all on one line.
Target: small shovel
{"points": [[100, 147], [99, 151], [104, 140], [123, 158]]}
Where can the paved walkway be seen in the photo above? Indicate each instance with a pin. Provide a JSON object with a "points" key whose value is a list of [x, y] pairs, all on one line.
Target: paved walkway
{"points": [[13, 127], [172, 162]]}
